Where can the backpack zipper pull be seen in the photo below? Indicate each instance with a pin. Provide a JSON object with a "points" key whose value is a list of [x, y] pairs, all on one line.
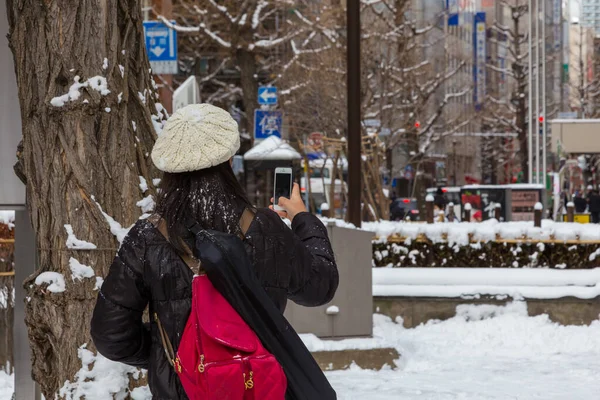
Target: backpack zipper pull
{"points": [[201, 365], [249, 384]]}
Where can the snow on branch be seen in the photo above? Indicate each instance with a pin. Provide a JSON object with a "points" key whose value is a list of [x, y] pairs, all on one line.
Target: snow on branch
{"points": [[194, 29], [223, 10], [506, 71], [256, 16]]}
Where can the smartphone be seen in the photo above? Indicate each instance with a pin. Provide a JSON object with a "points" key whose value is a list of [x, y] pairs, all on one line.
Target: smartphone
{"points": [[283, 186]]}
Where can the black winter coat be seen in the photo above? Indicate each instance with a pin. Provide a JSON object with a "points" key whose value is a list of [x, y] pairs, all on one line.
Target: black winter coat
{"points": [[594, 201], [296, 264]]}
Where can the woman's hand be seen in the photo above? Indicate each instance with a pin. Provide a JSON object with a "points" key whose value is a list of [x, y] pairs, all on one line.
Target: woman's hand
{"points": [[292, 206]]}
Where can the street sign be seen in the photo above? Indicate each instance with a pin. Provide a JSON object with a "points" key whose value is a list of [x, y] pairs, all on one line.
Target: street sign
{"points": [[408, 172], [267, 95], [267, 123], [161, 46]]}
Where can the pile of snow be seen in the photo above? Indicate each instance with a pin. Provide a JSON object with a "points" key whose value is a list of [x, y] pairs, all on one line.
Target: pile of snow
{"points": [[484, 232], [54, 280], [475, 282], [100, 378], [483, 353], [7, 385], [272, 148]]}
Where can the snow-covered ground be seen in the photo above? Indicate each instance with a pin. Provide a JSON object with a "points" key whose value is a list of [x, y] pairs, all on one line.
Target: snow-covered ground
{"points": [[484, 353], [6, 386]]}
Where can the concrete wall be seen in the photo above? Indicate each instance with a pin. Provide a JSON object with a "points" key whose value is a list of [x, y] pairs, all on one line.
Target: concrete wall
{"points": [[354, 297], [416, 310]]}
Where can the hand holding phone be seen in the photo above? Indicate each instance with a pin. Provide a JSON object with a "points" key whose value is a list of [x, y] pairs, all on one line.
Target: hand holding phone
{"points": [[287, 200], [282, 186]]}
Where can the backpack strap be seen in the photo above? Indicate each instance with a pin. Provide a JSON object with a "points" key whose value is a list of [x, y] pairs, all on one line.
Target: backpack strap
{"points": [[160, 224], [190, 261]]}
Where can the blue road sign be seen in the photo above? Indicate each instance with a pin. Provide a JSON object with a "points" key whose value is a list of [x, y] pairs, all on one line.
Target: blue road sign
{"points": [[267, 123], [161, 46], [267, 95]]}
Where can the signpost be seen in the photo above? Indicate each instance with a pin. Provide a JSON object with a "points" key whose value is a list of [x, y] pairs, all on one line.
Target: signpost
{"points": [[267, 95], [267, 123], [161, 46]]}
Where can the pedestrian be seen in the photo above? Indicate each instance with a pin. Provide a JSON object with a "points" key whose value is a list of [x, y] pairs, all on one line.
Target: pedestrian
{"points": [[594, 205], [439, 200], [154, 266], [580, 203]]}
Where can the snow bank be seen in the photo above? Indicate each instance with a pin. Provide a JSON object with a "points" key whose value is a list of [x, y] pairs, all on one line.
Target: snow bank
{"points": [[7, 385], [483, 353], [472, 282], [272, 148], [100, 379], [484, 232]]}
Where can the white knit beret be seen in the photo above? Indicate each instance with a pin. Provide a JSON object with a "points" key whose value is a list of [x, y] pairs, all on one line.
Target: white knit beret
{"points": [[196, 137]]}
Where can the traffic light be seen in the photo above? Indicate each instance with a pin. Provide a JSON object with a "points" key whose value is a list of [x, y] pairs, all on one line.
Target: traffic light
{"points": [[417, 124], [541, 119]]}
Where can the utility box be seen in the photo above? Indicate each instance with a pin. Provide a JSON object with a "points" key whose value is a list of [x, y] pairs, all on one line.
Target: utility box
{"points": [[350, 313]]}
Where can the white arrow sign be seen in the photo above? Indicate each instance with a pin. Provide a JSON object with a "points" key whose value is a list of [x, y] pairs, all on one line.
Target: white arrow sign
{"points": [[157, 51], [266, 95]]}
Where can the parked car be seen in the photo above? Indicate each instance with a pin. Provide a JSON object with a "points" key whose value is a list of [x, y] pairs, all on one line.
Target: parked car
{"points": [[403, 207]]}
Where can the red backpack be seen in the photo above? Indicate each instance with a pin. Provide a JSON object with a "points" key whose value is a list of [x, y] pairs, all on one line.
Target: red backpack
{"points": [[219, 356]]}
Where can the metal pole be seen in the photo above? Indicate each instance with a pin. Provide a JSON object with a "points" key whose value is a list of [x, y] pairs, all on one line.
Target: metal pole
{"points": [[530, 122], [354, 117], [544, 134], [25, 265], [537, 90]]}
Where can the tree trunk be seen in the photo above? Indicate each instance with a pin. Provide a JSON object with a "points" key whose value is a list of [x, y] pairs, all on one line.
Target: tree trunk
{"points": [[77, 157], [248, 80]]}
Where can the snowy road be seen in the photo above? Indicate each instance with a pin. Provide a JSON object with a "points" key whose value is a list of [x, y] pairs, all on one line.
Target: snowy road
{"points": [[484, 353], [509, 356]]}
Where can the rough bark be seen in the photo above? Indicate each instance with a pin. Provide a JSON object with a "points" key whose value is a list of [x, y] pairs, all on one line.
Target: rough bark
{"points": [[7, 305], [93, 149]]}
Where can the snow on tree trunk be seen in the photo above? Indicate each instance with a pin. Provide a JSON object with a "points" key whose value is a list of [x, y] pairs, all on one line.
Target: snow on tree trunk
{"points": [[88, 114]]}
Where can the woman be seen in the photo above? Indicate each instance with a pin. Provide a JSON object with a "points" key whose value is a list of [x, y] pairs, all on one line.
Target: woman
{"points": [[194, 152]]}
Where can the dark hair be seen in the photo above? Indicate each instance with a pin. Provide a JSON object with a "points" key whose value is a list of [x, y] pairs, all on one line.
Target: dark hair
{"points": [[212, 197]]}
